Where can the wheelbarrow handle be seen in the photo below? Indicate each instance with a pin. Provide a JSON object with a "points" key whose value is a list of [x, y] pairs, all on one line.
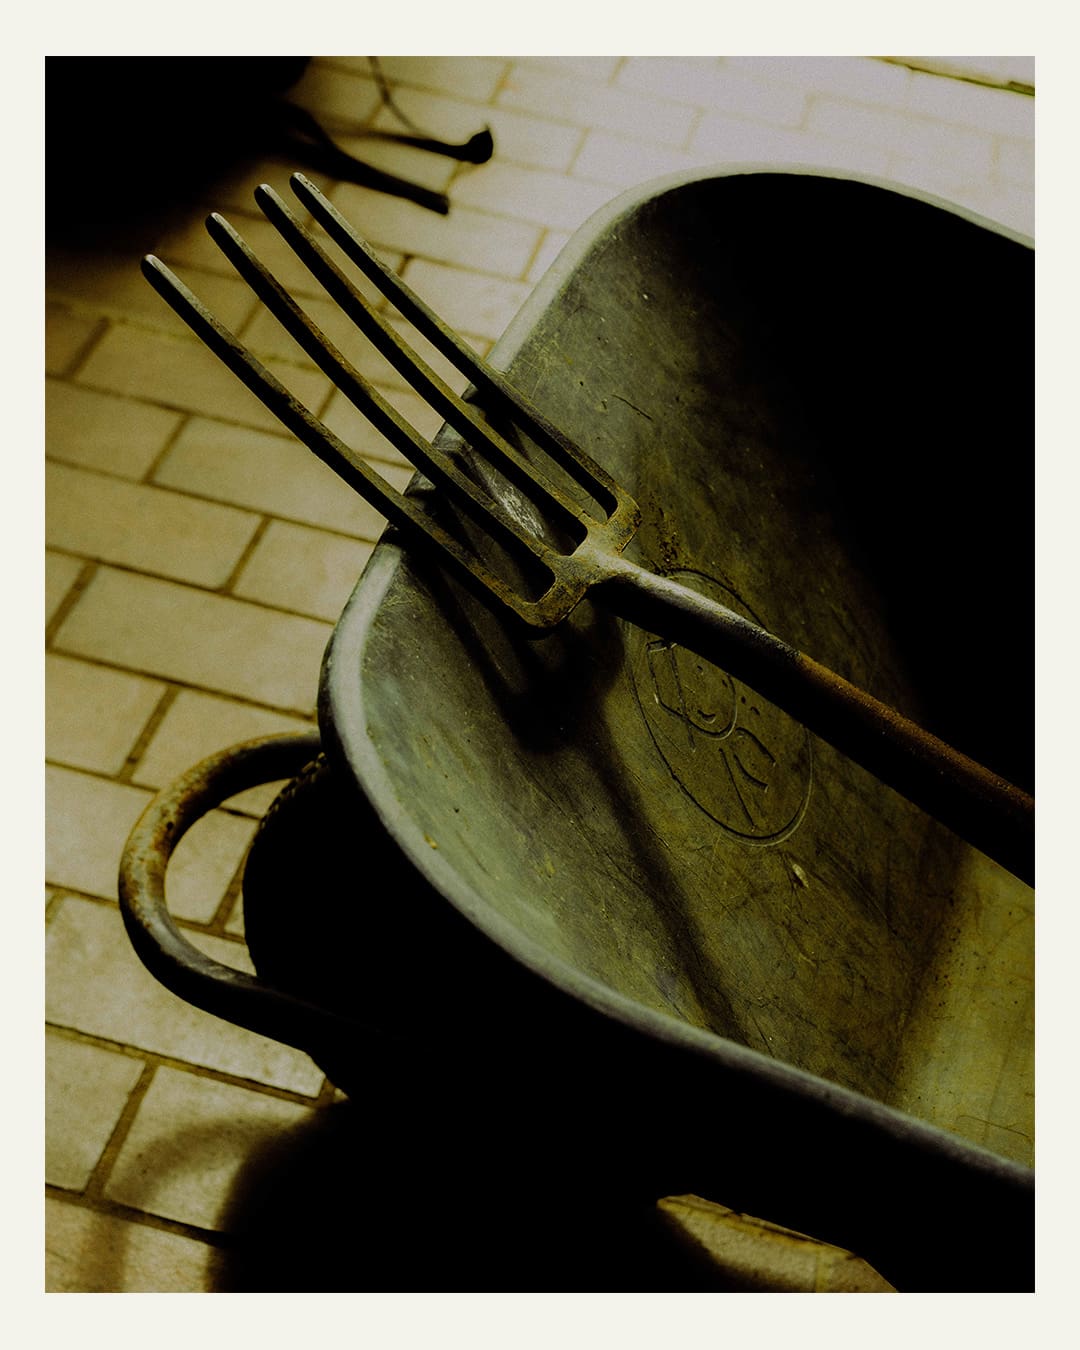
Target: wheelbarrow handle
{"points": [[175, 962]]}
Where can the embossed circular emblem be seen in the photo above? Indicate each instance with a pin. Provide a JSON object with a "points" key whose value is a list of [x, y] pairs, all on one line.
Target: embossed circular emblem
{"points": [[740, 759]]}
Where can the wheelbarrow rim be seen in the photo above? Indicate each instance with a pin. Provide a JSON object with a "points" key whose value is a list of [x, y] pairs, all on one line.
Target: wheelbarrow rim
{"points": [[343, 723]]}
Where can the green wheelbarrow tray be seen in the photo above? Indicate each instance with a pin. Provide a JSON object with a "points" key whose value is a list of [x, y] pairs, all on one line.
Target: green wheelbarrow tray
{"points": [[592, 870]]}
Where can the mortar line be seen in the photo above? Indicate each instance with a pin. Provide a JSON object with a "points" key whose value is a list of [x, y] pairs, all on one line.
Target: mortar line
{"points": [[71, 599], [230, 696], [95, 1186], [126, 773], [159, 1060], [245, 557], [170, 441], [144, 1218]]}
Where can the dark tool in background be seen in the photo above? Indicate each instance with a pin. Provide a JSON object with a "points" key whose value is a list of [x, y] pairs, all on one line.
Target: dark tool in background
{"points": [[171, 125]]}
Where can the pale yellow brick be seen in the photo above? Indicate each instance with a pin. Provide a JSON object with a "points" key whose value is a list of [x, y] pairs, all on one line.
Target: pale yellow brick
{"points": [[356, 430], [100, 431], [87, 820], [92, 1253], [1004, 203], [867, 79], [189, 1144], [210, 641], [338, 97], [181, 373], [704, 83], [144, 527], [93, 714], [360, 353], [553, 244], [469, 302], [475, 77], [448, 373], [115, 285], [205, 863], [198, 725], [466, 237], [94, 983], [274, 474], [564, 99], [61, 573], [552, 200], [1016, 161], [190, 246], [939, 177], [303, 570], [624, 163], [86, 1089], [271, 342], [964, 104], [597, 68], [916, 137], [727, 141], [87, 823]]}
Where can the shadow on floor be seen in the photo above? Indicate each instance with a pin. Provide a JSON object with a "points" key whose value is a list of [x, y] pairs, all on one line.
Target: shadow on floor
{"points": [[362, 1199]]}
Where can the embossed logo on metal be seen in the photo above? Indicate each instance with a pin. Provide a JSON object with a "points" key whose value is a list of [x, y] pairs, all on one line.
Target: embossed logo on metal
{"points": [[740, 759]]}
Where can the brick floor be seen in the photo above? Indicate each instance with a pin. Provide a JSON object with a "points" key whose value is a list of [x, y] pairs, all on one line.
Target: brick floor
{"points": [[197, 557]]}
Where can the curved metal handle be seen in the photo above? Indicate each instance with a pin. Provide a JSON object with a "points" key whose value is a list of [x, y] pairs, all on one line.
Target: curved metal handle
{"points": [[195, 977]]}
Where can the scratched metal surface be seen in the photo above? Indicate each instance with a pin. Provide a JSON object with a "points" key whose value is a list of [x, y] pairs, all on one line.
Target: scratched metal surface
{"points": [[750, 366]]}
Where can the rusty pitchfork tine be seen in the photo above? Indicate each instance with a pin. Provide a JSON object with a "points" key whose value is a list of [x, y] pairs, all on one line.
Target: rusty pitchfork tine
{"points": [[460, 414], [978, 804], [360, 475], [584, 470], [442, 471]]}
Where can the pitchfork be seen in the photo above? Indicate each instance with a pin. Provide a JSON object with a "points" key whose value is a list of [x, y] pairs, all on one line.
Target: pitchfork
{"points": [[572, 549]]}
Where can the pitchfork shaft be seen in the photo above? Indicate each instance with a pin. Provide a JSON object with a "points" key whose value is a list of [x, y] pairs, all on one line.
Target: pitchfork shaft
{"points": [[977, 804]]}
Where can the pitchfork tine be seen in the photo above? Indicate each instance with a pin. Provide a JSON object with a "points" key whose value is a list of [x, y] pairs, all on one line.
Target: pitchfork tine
{"points": [[387, 420], [352, 468], [465, 419], [586, 472]]}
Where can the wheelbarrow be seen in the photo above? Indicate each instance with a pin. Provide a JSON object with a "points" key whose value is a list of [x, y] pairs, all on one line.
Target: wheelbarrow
{"points": [[604, 916]]}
